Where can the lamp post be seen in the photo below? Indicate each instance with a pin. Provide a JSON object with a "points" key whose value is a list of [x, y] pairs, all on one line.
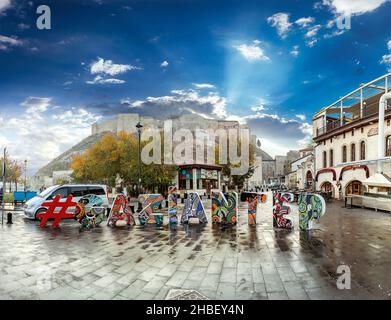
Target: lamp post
{"points": [[139, 126], [25, 180]]}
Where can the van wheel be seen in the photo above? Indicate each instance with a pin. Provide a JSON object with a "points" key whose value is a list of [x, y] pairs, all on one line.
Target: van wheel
{"points": [[37, 212]]}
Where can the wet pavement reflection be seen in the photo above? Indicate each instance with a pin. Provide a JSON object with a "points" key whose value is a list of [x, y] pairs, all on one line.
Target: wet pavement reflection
{"points": [[234, 262]]}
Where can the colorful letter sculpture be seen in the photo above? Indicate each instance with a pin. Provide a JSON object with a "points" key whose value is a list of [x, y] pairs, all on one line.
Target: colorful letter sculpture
{"points": [[311, 207], [193, 209], [57, 216], [172, 205], [120, 213], [279, 210], [253, 199], [224, 207], [89, 211], [149, 214]]}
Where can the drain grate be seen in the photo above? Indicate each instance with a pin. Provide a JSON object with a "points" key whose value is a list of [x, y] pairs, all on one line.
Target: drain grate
{"points": [[180, 294]]}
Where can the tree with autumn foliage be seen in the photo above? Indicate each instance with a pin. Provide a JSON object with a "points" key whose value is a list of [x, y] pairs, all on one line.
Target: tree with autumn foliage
{"points": [[14, 171], [114, 159]]}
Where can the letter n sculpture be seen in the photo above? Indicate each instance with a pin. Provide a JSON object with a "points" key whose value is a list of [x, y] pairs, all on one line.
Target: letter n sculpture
{"points": [[120, 213], [224, 207], [172, 205], [253, 199], [193, 209], [149, 214], [311, 207], [280, 211]]}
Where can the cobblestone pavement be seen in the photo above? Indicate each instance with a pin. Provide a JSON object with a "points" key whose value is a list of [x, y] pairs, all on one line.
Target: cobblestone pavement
{"points": [[239, 262]]}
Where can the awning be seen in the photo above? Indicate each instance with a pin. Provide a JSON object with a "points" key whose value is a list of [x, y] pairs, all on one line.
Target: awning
{"points": [[378, 180]]}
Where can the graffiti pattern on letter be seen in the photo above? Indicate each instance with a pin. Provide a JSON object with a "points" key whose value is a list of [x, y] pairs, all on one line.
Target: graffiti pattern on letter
{"points": [[120, 213], [224, 207], [172, 204], [193, 209], [253, 199], [279, 210], [149, 214], [311, 207], [89, 211]]}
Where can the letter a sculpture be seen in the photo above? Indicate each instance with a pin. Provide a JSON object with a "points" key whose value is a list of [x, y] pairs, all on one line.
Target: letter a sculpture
{"points": [[193, 209], [120, 213]]}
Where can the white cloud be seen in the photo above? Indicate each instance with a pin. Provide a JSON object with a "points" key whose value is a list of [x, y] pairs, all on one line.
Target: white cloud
{"points": [[353, 7], [333, 34], [292, 133], [178, 103], [281, 22], [258, 108], [164, 64], [301, 117], [4, 4], [104, 68], [252, 52], [295, 51], [107, 67], [204, 86], [313, 31], [40, 137], [6, 42], [36, 105], [311, 43], [305, 22], [23, 26], [101, 80], [386, 59]]}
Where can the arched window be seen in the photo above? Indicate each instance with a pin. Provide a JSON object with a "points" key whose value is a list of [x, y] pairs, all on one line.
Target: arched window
{"points": [[353, 152], [388, 146], [331, 160], [362, 150], [344, 154], [324, 159]]}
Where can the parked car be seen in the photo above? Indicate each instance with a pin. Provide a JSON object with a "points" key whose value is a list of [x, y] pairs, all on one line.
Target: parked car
{"points": [[34, 205]]}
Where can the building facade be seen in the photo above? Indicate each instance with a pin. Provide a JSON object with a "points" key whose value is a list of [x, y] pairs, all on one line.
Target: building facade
{"points": [[346, 138]]}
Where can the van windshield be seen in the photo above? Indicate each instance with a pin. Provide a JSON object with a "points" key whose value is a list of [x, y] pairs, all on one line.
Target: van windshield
{"points": [[47, 191]]}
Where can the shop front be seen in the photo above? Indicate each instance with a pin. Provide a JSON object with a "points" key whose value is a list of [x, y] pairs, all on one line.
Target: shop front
{"points": [[202, 178]]}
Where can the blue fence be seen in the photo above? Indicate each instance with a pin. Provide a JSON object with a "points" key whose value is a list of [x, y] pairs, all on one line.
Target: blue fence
{"points": [[21, 195]]}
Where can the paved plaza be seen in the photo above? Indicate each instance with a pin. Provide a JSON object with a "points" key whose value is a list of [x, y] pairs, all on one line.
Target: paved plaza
{"points": [[239, 262]]}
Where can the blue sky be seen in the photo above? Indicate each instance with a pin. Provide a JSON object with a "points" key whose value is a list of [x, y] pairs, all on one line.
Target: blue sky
{"points": [[270, 64]]}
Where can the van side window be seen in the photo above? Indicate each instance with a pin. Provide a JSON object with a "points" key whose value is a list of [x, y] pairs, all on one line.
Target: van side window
{"points": [[78, 191], [61, 191], [96, 190]]}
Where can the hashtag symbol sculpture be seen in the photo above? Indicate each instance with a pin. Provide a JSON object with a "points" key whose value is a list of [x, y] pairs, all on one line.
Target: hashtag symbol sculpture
{"points": [[57, 216]]}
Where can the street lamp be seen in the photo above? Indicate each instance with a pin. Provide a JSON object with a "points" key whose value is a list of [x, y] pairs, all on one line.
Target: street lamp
{"points": [[139, 126], [25, 180]]}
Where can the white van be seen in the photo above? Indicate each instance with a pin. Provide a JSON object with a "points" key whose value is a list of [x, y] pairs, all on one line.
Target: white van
{"points": [[34, 205]]}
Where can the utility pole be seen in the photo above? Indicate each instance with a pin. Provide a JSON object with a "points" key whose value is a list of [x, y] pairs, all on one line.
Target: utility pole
{"points": [[25, 181], [139, 126], [2, 204]]}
